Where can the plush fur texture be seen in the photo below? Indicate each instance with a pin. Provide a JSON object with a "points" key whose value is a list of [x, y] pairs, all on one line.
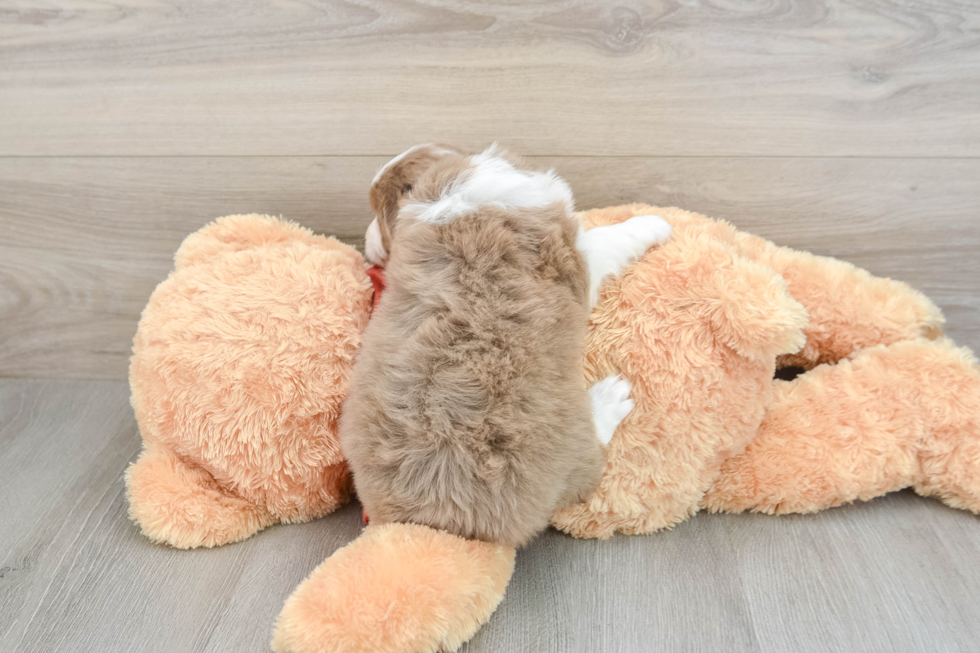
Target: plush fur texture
{"points": [[886, 403], [610, 249], [397, 588], [239, 368], [824, 443], [699, 326], [468, 410]]}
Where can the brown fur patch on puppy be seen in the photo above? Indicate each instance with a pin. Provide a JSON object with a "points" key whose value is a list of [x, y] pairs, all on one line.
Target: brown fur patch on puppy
{"points": [[468, 409], [396, 180]]}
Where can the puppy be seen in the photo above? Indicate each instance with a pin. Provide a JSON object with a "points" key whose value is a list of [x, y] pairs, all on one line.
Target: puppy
{"points": [[468, 410]]}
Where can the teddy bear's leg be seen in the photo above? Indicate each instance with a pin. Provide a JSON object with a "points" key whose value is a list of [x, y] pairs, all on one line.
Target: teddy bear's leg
{"points": [[849, 308], [181, 505], [890, 417], [398, 588]]}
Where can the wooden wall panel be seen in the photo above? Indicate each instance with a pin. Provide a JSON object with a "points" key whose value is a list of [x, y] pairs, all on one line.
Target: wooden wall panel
{"points": [[576, 77], [83, 241]]}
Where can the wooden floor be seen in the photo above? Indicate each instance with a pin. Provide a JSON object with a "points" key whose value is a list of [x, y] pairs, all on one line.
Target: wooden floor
{"points": [[897, 574], [846, 127]]}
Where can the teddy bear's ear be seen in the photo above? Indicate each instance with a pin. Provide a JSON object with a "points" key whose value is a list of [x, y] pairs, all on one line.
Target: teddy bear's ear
{"points": [[753, 311], [235, 233]]}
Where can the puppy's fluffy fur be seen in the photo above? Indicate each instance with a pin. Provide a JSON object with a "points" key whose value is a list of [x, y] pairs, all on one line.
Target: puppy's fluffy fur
{"points": [[468, 410]]}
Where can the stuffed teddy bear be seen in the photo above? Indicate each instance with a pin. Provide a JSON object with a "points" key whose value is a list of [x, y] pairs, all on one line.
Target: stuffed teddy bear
{"points": [[240, 365], [699, 325]]}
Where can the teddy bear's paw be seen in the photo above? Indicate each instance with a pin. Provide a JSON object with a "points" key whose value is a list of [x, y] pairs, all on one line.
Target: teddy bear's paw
{"points": [[610, 249], [611, 404], [181, 505]]}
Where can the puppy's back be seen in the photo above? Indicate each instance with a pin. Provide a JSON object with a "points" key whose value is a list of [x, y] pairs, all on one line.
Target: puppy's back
{"points": [[468, 410]]}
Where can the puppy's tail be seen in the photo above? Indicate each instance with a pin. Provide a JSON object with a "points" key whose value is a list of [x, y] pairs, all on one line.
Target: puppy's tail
{"points": [[398, 587]]}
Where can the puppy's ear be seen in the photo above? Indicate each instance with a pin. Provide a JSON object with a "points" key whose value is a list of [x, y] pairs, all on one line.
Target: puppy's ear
{"points": [[395, 181]]}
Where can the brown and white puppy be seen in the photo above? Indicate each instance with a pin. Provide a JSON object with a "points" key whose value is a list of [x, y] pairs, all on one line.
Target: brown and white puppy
{"points": [[468, 410]]}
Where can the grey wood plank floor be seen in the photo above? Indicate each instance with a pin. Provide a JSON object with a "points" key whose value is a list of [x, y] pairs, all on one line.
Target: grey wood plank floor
{"points": [[896, 574]]}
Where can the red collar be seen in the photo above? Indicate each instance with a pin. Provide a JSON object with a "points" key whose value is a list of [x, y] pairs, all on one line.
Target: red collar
{"points": [[377, 275]]}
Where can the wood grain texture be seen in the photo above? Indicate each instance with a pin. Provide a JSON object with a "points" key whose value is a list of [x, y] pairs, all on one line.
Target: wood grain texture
{"points": [[577, 77], [85, 240], [897, 574], [75, 574], [900, 580]]}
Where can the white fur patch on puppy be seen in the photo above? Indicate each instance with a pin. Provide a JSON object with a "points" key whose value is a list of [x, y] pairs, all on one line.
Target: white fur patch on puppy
{"points": [[611, 404], [374, 248], [493, 180], [611, 249]]}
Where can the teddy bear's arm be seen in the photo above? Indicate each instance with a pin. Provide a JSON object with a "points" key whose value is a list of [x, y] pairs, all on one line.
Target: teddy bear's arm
{"points": [[750, 308]]}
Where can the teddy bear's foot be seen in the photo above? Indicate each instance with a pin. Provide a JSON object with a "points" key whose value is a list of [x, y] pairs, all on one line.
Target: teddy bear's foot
{"points": [[949, 459], [888, 418], [183, 506], [398, 588]]}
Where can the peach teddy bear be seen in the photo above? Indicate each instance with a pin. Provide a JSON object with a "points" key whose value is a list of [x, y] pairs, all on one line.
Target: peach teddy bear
{"points": [[240, 366], [699, 326]]}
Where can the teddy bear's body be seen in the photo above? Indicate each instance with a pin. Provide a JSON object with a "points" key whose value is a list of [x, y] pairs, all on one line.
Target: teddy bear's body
{"points": [[696, 327], [242, 359], [699, 326], [239, 368]]}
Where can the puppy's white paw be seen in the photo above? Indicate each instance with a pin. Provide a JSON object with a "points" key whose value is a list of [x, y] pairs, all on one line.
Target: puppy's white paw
{"points": [[611, 404], [612, 248], [647, 231]]}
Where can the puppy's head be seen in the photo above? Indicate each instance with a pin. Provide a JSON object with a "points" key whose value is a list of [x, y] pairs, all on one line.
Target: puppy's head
{"points": [[391, 186]]}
